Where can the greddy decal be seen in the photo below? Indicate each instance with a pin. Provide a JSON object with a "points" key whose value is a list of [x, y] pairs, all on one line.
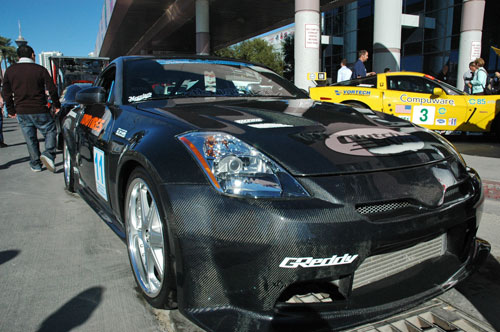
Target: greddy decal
{"points": [[372, 142], [418, 100], [100, 175], [295, 262]]}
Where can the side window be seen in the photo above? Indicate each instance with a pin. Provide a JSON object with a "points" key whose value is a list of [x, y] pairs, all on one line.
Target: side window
{"points": [[410, 84], [107, 81]]}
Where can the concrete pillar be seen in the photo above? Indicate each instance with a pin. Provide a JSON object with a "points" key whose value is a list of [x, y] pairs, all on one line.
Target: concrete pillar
{"points": [[470, 36], [351, 32], [387, 35], [307, 41], [202, 27]]}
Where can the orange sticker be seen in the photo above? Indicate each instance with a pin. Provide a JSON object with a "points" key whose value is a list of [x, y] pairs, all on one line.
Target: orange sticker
{"points": [[92, 122]]}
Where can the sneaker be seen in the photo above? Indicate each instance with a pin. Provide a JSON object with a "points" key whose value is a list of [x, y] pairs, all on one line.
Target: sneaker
{"points": [[3, 145], [36, 168], [49, 163]]}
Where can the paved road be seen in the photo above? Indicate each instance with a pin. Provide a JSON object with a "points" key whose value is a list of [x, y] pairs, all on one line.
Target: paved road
{"points": [[62, 268]]}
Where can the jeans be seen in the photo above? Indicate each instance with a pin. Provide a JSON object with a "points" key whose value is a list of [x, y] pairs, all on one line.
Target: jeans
{"points": [[29, 124], [1, 128]]}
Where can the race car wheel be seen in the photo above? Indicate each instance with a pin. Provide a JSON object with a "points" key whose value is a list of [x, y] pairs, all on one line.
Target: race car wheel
{"points": [[69, 176], [147, 243]]}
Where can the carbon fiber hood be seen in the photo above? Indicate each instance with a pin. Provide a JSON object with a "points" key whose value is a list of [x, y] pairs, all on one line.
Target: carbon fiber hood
{"points": [[311, 138]]}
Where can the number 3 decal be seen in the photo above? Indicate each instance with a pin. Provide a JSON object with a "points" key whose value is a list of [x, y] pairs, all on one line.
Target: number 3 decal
{"points": [[423, 115]]}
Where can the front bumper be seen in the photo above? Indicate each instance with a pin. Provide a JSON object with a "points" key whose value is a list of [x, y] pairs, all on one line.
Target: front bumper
{"points": [[228, 253]]}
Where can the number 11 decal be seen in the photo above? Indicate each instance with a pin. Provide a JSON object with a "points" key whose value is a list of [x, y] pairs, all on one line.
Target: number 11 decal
{"points": [[100, 175]]}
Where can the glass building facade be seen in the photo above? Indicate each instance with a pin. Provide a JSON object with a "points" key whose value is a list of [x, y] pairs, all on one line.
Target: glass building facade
{"points": [[427, 48]]}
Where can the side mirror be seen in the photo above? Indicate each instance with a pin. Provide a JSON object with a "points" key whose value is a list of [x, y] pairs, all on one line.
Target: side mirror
{"points": [[91, 95], [438, 92]]}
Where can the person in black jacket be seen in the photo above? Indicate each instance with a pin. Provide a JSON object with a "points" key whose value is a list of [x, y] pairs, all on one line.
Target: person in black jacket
{"points": [[24, 87]]}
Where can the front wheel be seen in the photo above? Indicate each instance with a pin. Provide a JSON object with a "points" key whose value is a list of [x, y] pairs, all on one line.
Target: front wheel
{"points": [[147, 243], [69, 176]]}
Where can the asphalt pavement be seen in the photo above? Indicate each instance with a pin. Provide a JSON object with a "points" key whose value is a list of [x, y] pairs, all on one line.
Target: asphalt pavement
{"points": [[63, 269]]}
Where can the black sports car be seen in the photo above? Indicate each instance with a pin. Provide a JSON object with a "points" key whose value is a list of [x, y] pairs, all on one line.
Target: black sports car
{"points": [[254, 208], [68, 102]]}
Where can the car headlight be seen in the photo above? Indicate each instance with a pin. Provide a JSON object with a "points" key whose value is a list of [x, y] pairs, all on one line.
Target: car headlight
{"points": [[236, 168]]}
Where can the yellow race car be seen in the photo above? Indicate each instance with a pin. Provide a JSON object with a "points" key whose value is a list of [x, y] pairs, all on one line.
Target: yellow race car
{"points": [[419, 98]]}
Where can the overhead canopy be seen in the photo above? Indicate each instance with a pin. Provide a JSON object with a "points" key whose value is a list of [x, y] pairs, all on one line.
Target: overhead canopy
{"points": [[160, 27]]}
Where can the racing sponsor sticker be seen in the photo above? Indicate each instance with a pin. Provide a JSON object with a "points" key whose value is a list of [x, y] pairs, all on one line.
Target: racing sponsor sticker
{"points": [[440, 122], [210, 81], [372, 142], [352, 92], [452, 121], [246, 121], [269, 125], [420, 100], [423, 115], [121, 132], [144, 96], [442, 111], [306, 262], [403, 109], [93, 122], [100, 175], [404, 117]]}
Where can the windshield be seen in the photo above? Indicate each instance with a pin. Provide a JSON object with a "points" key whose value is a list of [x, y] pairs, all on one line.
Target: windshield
{"points": [[147, 79], [449, 89]]}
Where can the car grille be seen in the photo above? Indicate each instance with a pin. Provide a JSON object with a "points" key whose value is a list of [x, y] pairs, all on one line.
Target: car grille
{"points": [[382, 207], [381, 266]]}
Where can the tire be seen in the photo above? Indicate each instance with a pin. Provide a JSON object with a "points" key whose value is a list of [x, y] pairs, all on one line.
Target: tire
{"points": [[69, 176], [147, 243], [495, 127]]}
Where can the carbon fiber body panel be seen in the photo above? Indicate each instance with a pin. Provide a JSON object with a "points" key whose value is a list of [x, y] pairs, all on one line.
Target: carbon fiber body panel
{"points": [[229, 250]]}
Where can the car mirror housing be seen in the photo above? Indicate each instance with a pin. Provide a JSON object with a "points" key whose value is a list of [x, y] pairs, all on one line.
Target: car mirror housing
{"points": [[91, 95], [438, 92]]}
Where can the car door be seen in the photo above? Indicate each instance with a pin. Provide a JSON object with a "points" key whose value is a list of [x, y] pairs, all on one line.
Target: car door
{"points": [[93, 131], [412, 98]]}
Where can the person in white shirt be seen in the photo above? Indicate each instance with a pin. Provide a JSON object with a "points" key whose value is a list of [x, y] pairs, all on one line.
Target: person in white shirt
{"points": [[344, 73], [468, 76]]}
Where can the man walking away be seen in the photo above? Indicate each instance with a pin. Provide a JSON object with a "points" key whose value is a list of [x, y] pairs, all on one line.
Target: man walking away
{"points": [[23, 92], [344, 73], [2, 144]]}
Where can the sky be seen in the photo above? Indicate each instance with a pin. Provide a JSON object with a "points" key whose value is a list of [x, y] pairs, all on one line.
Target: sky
{"points": [[67, 26]]}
